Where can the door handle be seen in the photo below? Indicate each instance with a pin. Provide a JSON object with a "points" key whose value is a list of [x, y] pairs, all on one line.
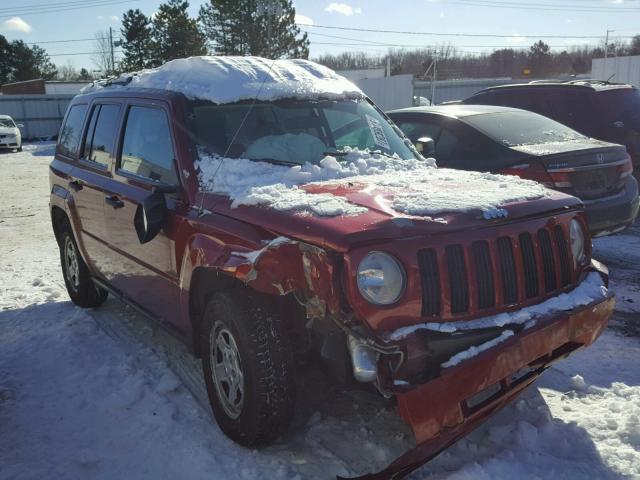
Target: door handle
{"points": [[76, 185], [114, 201]]}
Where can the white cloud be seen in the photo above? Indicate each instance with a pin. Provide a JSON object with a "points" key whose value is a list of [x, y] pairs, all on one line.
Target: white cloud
{"points": [[112, 18], [343, 9], [303, 19], [516, 39], [16, 24]]}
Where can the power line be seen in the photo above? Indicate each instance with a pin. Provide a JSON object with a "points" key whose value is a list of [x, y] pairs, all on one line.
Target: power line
{"points": [[52, 9], [436, 34], [80, 53], [545, 7]]}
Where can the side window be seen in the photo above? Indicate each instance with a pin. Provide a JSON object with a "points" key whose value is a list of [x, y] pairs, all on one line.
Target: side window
{"points": [[147, 149], [100, 140], [71, 131], [446, 144], [415, 130]]}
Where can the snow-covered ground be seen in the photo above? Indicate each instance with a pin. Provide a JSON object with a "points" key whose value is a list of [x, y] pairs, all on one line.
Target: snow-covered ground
{"points": [[102, 394]]}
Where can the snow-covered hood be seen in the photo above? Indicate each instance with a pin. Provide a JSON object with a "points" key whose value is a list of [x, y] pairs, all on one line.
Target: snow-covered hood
{"points": [[368, 196], [9, 131]]}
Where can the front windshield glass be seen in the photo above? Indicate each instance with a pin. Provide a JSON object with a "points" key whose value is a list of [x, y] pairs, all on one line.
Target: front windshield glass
{"points": [[7, 122], [521, 128], [295, 131]]}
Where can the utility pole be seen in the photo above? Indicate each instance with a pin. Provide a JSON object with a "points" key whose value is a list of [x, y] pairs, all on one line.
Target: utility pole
{"points": [[606, 45], [113, 63]]}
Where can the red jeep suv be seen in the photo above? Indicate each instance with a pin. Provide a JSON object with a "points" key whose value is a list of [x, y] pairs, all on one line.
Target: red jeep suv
{"points": [[263, 210]]}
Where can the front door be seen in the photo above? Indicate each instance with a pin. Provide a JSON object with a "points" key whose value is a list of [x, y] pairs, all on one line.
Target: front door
{"points": [[146, 273], [90, 179]]}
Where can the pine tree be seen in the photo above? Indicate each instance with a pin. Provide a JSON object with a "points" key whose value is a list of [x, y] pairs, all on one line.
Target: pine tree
{"points": [[175, 35], [29, 63], [6, 67], [136, 34], [253, 27]]}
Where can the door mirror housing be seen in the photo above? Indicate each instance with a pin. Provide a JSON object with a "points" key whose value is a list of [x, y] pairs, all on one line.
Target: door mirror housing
{"points": [[20, 125], [150, 216], [426, 146]]}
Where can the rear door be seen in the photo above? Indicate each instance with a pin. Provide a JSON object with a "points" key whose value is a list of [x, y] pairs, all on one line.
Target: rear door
{"points": [[146, 159], [91, 176]]}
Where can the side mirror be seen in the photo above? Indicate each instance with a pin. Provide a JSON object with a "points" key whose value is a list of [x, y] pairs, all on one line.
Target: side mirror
{"points": [[150, 216], [20, 125], [426, 146]]}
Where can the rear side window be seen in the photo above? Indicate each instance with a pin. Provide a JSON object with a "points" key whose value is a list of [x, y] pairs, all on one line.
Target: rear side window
{"points": [[71, 132], [147, 149], [101, 136], [415, 130]]}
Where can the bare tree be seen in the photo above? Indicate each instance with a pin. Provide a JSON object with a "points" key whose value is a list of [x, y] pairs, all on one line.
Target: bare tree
{"points": [[67, 72], [102, 53]]}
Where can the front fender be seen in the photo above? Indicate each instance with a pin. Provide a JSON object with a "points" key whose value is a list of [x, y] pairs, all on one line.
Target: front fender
{"points": [[282, 266]]}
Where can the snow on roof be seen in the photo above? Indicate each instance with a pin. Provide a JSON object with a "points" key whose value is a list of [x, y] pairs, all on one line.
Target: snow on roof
{"points": [[415, 187], [231, 79]]}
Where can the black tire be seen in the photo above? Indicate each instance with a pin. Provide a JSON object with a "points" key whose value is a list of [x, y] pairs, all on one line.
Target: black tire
{"points": [[20, 148], [82, 291], [265, 362]]}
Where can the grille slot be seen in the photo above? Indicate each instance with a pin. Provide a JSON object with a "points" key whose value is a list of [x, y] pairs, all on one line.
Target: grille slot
{"points": [[484, 274], [458, 283], [492, 273], [529, 264], [508, 270], [431, 292], [563, 253], [548, 260]]}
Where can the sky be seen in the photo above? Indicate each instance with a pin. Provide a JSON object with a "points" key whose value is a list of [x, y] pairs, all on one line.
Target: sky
{"points": [[54, 23]]}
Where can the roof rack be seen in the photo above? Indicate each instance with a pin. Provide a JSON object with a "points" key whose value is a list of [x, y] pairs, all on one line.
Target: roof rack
{"points": [[110, 81]]}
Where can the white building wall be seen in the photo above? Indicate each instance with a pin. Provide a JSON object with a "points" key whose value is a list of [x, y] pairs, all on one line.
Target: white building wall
{"points": [[389, 92], [623, 69]]}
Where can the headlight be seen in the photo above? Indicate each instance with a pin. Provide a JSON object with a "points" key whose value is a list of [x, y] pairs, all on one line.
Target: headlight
{"points": [[576, 235], [381, 278]]}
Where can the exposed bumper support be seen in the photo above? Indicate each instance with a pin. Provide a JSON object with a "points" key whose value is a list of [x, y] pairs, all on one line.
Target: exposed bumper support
{"points": [[445, 409]]}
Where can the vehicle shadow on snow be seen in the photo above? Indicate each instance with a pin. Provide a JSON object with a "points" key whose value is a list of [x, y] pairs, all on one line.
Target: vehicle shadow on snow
{"points": [[341, 432], [351, 432]]}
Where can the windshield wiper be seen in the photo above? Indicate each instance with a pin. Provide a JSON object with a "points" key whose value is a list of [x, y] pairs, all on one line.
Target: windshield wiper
{"points": [[274, 161]]}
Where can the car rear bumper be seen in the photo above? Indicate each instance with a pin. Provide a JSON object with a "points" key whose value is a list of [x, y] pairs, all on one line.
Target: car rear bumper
{"points": [[448, 407], [615, 213]]}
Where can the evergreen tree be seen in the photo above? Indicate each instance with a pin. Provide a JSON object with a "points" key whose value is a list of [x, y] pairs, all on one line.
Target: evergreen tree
{"points": [[175, 35], [6, 67], [253, 27], [540, 58], [136, 34], [29, 63], [84, 74]]}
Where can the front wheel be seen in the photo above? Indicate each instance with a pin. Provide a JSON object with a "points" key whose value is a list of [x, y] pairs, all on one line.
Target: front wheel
{"points": [[248, 369], [82, 291]]}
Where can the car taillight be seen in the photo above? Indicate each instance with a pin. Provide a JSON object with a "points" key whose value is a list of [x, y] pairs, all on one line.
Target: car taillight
{"points": [[626, 168], [535, 172]]}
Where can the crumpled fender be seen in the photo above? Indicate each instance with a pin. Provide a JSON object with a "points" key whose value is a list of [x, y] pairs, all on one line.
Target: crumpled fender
{"points": [[282, 266]]}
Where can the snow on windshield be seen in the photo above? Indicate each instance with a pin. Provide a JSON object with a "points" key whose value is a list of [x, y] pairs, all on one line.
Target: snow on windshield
{"points": [[232, 79], [408, 186]]}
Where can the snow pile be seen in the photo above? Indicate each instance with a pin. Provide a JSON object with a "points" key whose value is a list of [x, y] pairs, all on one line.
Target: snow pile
{"points": [[591, 289], [232, 79], [413, 187], [475, 350]]}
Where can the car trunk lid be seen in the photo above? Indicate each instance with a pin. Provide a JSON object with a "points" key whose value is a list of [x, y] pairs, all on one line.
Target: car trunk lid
{"points": [[586, 169]]}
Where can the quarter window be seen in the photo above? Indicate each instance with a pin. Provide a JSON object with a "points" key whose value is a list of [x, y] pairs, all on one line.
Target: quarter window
{"points": [[147, 149], [99, 144], [72, 131]]}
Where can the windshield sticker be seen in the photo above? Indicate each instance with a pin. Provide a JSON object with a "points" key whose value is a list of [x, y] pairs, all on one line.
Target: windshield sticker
{"points": [[377, 131]]}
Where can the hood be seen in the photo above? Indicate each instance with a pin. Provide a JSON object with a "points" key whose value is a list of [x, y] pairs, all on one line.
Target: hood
{"points": [[379, 220], [9, 131]]}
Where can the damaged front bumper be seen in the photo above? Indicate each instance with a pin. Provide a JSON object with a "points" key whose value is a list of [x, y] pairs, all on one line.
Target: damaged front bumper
{"points": [[456, 399]]}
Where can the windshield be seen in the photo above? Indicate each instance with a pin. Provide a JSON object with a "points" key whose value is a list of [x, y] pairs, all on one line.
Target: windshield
{"points": [[620, 104], [7, 122], [295, 131], [521, 128]]}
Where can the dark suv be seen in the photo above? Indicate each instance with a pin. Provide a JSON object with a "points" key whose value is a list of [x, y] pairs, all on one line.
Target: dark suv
{"points": [[267, 212], [598, 109]]}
